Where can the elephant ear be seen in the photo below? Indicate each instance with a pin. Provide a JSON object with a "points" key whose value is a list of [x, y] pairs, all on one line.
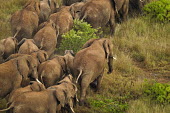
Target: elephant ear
{"points": [[23, 67], [89, 43], [42, 56], [35, 86], [61, 96], [106, 48], [62, 61]]}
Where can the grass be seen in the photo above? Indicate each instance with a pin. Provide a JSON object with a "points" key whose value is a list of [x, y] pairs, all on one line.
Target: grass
{"points": [[142, 49]]}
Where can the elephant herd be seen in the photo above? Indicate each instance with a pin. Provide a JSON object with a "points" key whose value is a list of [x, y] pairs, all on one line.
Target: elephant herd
{"points": [[33, 78]]}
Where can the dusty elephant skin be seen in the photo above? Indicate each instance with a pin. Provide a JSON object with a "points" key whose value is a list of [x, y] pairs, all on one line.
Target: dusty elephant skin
{"points": [[34, 86], [89, 63], [47, 101], [46, 37], [98, 13], [10, 46], [27, 46], [24, 23], [69, 2], [64, 20], [51, 71], [16, 73]]}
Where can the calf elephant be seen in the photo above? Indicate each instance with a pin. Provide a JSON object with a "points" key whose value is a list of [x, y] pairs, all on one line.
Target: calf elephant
{"points": [[34, 86], [46, 101], [64, 20], [89, 63], [24, 23], [27, 46], [16, 73], [98, 13], [51, 71], [46, 38], [10, 46]]}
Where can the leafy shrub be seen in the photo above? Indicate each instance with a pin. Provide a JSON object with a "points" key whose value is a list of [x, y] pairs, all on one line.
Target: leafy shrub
{"points": [[75, 38], [158, 10], [159, 92]]}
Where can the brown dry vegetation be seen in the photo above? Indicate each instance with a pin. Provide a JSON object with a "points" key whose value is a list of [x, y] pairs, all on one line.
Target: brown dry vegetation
{"points": [[142, 49]]}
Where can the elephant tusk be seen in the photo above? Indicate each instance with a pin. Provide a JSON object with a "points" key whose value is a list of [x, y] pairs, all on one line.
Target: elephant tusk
{"points": [[38, 81], [72, 109], [114, 58], [141, 0]]}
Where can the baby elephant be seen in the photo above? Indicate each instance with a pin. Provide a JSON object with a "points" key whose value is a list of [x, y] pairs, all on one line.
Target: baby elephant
{"points": [[46, 101], [34, 86]]}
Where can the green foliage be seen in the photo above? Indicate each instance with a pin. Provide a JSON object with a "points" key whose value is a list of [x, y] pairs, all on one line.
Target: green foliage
{"points": [[158, 10], [159, 92], [105, 105], [75, 38]]}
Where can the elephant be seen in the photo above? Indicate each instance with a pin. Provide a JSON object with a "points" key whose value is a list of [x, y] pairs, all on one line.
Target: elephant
{"points": [[46, 8], [17, 73], [98, 13], [27, 46], [89, 64], [47, 101], [33, 86], [122, 8], [64, 20], [46, 38], [51, 71], [40, 55], [24, 23], [10, 46]]}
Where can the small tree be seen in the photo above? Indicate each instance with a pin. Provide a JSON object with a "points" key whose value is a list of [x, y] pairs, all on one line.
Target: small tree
{"points": [[75, 38]]}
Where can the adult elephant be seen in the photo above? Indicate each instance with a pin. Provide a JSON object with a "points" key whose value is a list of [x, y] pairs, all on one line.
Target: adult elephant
{"points": [[33, 86], [46, 38], [98, 13], [24, 23], [47, 101], [89, 63], [2, 49], [52, 71], [16, 73], [10, 46], [27, 46], [64, 20]]}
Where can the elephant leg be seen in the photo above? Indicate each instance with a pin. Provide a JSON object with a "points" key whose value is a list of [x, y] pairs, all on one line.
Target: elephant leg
{"points": [[112, 23], [83, 89], [99, 80], [125, 10]]}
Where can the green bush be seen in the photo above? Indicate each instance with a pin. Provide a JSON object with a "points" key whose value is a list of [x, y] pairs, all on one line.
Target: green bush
{"points": [[75, 38], [158, 10], [159, 92]]}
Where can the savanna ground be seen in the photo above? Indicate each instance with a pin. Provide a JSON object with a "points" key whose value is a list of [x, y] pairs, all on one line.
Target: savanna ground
{"points": [[142, 49]]}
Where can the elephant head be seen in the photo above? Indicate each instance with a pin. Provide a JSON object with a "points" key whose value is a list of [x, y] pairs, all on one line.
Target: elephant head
{"points": [[27, 68], [76, 9], [41, 55], [33, 5], [66, 92], [36, 86], [53, 5]]}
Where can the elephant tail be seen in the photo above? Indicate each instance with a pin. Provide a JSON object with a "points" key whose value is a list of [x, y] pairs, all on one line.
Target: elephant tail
{"points": [[81, 71], [18, 30], [11, 106]]}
